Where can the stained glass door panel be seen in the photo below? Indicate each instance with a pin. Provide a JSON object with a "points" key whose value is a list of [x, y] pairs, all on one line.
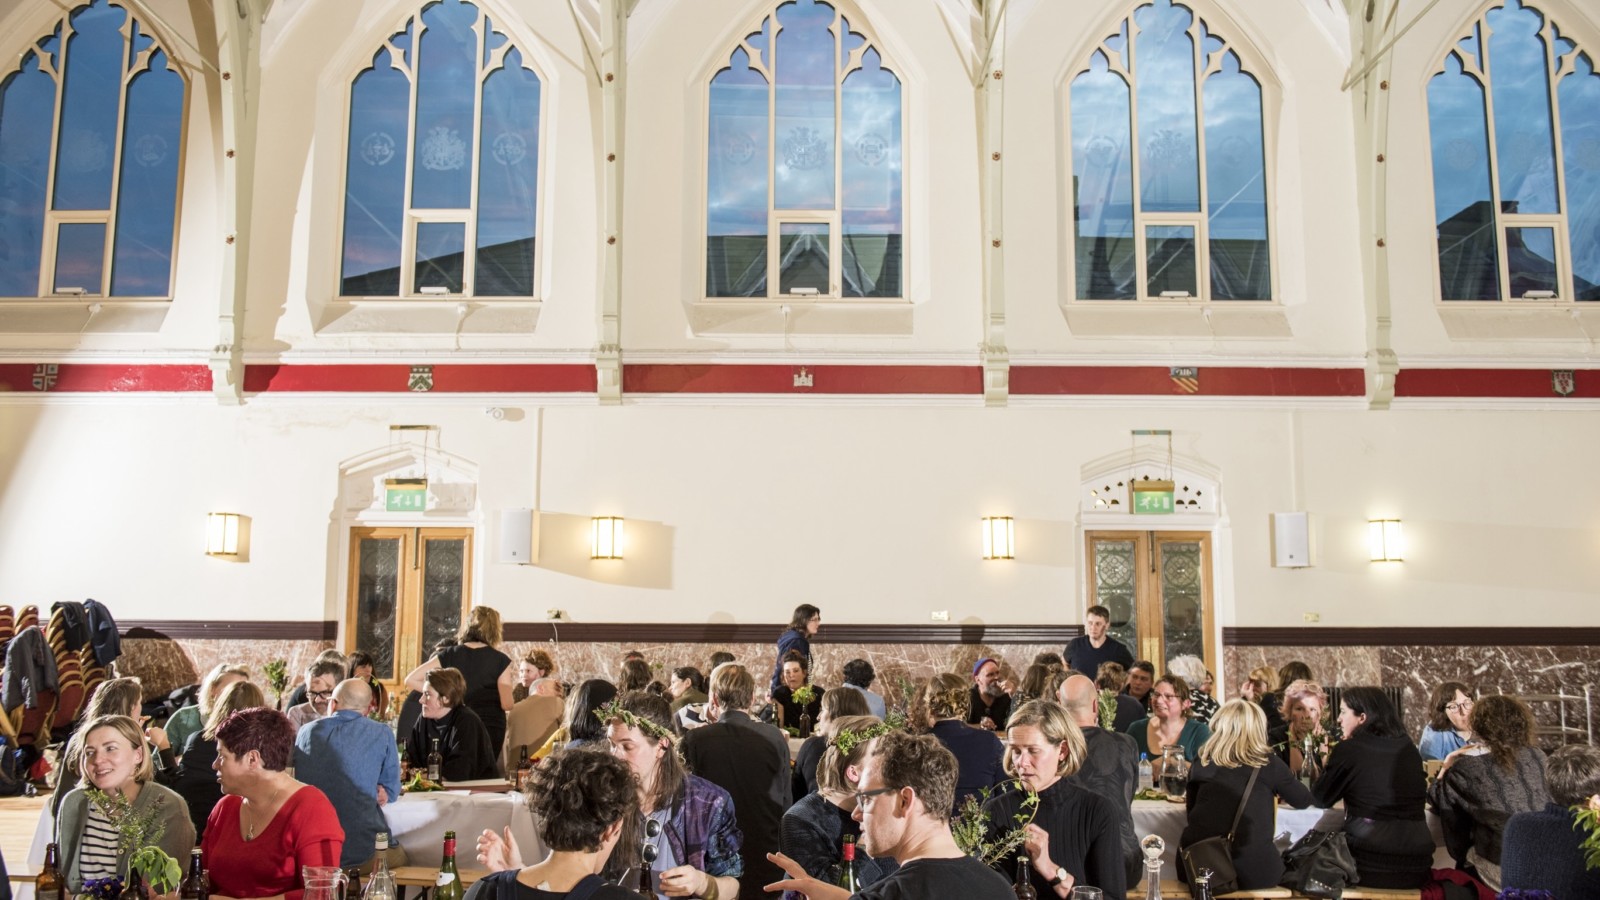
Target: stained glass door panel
{"points": [[377, 601], [1157, 587], [408, 590]]}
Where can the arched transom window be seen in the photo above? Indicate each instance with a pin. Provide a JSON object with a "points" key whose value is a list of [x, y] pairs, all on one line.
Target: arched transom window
{"points": [[803, 167], [442, 164], [1514, 114], [1169, 187], [91, 140]]}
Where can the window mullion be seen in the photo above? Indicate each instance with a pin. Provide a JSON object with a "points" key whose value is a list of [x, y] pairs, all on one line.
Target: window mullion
{"points": [[408, 236], [773, 242], [1140, 273], [1566, 286], [1495, 208], [469, 248], [1202, 275], [108, 248], [47, 265]]}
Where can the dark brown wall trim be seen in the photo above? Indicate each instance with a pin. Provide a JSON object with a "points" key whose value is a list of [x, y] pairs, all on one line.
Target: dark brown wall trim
{"points": [[1411, 637], [241, 630]]}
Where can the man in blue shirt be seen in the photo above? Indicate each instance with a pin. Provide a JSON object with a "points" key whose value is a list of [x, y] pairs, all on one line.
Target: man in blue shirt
{"points": [[353, 760]]}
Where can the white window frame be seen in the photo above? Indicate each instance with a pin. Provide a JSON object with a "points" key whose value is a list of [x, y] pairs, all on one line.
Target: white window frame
{"points": [[1251, 63], [414, 216]]}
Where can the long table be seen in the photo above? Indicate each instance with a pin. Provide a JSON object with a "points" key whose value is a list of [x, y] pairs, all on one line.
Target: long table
{"points": [[1168, 819]]}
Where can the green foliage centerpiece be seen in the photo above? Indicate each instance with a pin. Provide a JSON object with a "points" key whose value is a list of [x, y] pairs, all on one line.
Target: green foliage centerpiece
{"points": [[137, 836], [971, 827]]}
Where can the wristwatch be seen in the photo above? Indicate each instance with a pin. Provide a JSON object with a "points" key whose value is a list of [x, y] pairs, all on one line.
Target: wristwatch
{"points": [[1061, 875]]}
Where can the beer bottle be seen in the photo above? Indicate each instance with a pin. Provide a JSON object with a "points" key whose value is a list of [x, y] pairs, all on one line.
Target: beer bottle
{"points": [[524, 769], [448, 885], [1023, 886], [48, 886], [195, 885]]}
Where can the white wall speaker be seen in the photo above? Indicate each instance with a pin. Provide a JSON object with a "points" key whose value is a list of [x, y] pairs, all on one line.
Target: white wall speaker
{"points": [[519, 537], [1291, 540]]}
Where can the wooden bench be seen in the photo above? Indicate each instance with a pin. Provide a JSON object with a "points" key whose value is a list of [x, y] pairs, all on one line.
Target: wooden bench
{"points": [[428, 876], [1177, 890]]}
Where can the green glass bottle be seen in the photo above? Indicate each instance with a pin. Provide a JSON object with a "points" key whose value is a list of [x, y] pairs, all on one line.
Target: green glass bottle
{"points": [[448, 885]]}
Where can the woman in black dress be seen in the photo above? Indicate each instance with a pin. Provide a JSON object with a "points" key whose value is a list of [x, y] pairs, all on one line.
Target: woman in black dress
{"points": [[489, 673], [1377, 772], [796, 674], [1238, 747]]}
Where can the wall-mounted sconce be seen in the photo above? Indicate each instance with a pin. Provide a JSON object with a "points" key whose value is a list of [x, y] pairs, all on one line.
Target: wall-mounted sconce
{"points": [[222, 534], [605, 540], [999, 538], [1386, 541]]}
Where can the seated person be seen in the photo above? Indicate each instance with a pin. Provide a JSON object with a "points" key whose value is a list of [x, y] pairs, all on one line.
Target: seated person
{"points": [[1304, 707], [1113, 677], [1542, 850], [361, 667], [268, 826], [320, 679], [1481, 786], [795, 674], [1171, 722], [1449, 727], [583, 803], [113, 697], [196, 780], [454, 728], [687, 686], [533, 719], [980, 756], [1238, 747], [815, 826], [1377, 772], [1258, 688], [115, 759], [192, 718], [835, 703]]}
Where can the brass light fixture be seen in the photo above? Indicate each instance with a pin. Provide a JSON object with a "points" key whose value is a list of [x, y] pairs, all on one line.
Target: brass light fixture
{"points": [[999, 538], [605, 539], [222, 534]]}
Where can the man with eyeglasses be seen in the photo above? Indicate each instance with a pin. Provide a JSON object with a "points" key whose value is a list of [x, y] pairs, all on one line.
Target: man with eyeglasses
{"points": [[320, 679], [906, 791]]}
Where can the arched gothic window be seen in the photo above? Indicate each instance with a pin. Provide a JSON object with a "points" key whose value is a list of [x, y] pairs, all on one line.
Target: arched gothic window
{"points": [[91, 141], [1514, 114], [1168, 165], [442, 163], [803, 171]]}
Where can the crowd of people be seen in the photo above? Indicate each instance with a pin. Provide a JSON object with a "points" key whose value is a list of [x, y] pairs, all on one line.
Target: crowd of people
{"points": [[686, 783]]}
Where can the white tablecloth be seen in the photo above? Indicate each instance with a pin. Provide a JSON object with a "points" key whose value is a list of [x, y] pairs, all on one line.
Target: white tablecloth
{"points": [[1167, 820], [418, 822]]}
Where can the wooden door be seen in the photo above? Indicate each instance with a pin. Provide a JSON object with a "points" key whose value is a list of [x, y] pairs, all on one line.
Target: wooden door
{"points": [[1157, 585], [409, 588]]}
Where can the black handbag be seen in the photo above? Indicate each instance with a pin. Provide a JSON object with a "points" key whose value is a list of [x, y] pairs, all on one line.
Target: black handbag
{"points": [[1320, 865], [1215, 854]]}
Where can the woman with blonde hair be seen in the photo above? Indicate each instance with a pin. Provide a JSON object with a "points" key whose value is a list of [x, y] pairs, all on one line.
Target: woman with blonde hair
{"points": [[1236, 751], [1075, 834], [488, 672], [195, 780], [1258, 687], [979, 754], [114, 760], [815, 826], [113, 697], [1305, 707], [837, 703], [192, 718]]}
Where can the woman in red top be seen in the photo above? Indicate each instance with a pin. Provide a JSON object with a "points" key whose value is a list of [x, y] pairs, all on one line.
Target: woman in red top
{"points": [[267, 825]]}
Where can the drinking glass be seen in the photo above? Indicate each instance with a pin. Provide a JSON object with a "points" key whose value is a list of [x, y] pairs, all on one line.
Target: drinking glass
{"points": [[1085, 892]]}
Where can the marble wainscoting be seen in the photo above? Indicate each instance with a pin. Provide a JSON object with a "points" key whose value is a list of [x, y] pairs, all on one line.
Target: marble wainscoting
{"points": [[1506, 668], [164, 664]]}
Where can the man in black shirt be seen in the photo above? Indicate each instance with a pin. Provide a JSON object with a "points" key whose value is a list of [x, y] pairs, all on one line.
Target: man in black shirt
{"points": [[991, 705], [903, 804], [1087, 651]]}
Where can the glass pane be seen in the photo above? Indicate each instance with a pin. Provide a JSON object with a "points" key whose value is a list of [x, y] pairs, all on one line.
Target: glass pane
{"points": [[1102, 180], [1236, 186], [375, 180], [803, 258], [508, 171], [1531, 260], [147, 203], [441, 251], [1579, 94], [1469, 261], [803, 167], [736, 182], [447, 77], [1182, 599], [93, 90], [1170, 260], [443, 589], [1114, 572], [871, 179], [1519, 76], [80, 256], [27, 113], [377, 601], [1163, 71]]}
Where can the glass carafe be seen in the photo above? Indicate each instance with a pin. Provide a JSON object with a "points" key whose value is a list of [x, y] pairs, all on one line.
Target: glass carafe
{"points": [[323, 882], [1174, 771]]}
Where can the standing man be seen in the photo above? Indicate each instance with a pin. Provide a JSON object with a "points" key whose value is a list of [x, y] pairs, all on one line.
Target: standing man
{"points": [[1110, 764], [320, 680], [353, 760], [991, 705], [1087, 651], [749, 760], [907, 787]]}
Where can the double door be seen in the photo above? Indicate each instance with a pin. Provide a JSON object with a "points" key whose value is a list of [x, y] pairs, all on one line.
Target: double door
{"points": [[409, 588], [1157, 585]]}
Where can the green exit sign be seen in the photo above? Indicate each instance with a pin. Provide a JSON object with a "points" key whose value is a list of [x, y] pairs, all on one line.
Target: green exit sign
{"points": [[1152, 498], [406, 494]]}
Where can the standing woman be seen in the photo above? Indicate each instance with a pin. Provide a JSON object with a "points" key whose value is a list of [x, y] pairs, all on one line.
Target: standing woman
{"points": [[1378, 774], [1238, 747], [1170, 722], [802, 628], [115, 759], [1074, 837], [488, 672], [268, 825]]}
